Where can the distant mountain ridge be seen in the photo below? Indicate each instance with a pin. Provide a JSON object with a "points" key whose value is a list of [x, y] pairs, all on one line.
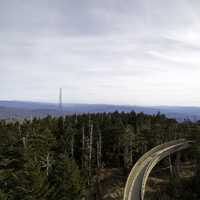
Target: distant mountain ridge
{"points": [[24, 109]]}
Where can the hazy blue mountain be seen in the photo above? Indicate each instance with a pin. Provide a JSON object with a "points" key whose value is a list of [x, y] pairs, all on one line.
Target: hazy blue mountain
{"points": [[22, 109], [27, 105]]}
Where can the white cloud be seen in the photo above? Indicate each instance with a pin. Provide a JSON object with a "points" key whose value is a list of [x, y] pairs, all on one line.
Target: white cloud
{"points": [[133, 52]]}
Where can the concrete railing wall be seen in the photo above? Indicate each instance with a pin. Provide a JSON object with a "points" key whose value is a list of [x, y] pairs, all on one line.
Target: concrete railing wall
{"points": [[135, 185]]}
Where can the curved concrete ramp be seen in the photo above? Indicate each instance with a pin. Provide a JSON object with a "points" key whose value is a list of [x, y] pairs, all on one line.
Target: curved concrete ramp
{"points": [[135, 185]]}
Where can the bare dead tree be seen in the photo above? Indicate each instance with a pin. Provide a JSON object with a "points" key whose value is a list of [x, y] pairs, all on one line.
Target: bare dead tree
{"points": [[170, 165], [19, 130], [83, 147], [24, 142], [47, 164], [72, 146], [76, 118], [99, 150], [178, 164], [90, 149]]}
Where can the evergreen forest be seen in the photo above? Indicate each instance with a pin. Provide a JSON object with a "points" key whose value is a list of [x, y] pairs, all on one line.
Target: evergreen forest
{"points": [[70, 157]]}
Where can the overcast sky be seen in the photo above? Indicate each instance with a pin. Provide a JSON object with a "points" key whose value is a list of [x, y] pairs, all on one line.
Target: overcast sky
{"points": [[138, 52]]}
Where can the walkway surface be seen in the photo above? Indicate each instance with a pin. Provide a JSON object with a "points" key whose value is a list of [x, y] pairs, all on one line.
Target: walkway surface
{"points": [[136, 182]]}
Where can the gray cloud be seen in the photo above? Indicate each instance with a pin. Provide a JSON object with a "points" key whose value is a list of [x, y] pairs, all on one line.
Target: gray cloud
{"points": [[108, 51]]}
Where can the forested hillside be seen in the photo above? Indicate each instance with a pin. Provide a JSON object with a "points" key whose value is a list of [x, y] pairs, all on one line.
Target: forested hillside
{"points": [[63, 158], [17, 110]]}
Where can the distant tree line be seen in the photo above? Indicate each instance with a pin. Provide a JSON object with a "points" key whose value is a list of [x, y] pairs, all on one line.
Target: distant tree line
{"points": [[59, 158]]}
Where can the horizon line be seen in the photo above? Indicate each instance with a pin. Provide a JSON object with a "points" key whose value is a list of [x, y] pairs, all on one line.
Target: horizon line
{"points": [[106, 104]]}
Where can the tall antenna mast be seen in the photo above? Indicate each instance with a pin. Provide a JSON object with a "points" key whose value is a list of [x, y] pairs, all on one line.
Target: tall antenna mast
{"points": [[60, 100]]}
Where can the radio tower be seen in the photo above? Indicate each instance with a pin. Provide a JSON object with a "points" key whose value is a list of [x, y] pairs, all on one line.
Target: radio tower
{"points": [[60, 100]]}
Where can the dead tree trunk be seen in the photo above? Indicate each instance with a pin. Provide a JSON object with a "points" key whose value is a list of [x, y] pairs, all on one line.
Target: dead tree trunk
{"points": [[47, 164], [99, 148], [170, 165], [76, 118], [178, 164], [90, 149], [19, 130], [83, 148], [131, 149], [24, 142], [72, 146]]}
